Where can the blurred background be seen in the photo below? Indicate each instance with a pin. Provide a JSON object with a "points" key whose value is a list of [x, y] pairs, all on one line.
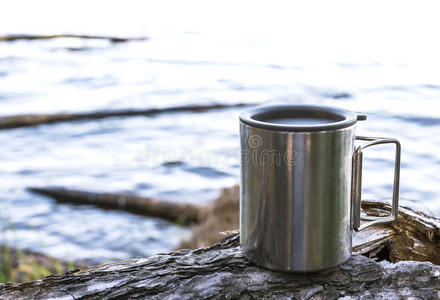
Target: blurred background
{"points": [[378, 58]]}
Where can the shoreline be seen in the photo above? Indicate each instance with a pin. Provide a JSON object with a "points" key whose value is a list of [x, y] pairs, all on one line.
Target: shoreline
{"points": [[18, 265]]}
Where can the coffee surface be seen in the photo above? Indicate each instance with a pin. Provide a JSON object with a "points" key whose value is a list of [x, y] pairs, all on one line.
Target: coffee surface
{"points": [[300, 121]]}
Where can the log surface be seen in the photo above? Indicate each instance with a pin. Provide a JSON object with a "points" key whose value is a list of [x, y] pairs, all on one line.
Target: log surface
{"points": [[221, 272]]}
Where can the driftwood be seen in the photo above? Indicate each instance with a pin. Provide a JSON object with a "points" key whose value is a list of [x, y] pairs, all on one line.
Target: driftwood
{"points": [[182, 213], [37, 119], [113, 39], [221, 272]]}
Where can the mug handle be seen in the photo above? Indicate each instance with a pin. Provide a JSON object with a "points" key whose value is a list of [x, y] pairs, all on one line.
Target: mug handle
{"points": [[356, 189]]}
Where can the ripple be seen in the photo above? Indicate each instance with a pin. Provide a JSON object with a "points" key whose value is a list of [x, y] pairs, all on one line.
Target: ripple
{"points": [[206, 172], [338, 95], [420, 120]]}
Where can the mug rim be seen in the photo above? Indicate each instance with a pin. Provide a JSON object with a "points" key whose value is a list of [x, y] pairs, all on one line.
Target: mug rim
{"points": [[338, 118]]}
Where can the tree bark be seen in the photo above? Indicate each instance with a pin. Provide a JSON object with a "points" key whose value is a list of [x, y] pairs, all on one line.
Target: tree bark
{"points": [[412, 236], [17, 121], [182, 213], [221, 272]]}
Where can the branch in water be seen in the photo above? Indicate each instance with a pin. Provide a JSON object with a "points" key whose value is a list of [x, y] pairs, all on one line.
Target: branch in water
{"points": [[113, 39], [183, 213], [37, 119]]}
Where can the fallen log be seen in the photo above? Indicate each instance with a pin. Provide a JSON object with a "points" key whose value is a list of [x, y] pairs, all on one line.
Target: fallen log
{"points": [[221, 272], [17, 121], [181, 213], [113, 39], [383, 266]]}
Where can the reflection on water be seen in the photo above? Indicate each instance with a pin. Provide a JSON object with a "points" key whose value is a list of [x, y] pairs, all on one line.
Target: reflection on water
{"points": [[189, 156]]}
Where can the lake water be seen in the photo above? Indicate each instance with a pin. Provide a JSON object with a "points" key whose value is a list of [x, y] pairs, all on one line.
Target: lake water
{"points": [[198, 53]]}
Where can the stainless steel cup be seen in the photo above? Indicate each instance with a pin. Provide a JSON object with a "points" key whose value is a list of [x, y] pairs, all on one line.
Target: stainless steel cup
{"points": [[301, 186]]}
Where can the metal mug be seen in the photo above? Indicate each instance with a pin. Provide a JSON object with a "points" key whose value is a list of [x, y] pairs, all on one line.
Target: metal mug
{"points": [[301, 186]]}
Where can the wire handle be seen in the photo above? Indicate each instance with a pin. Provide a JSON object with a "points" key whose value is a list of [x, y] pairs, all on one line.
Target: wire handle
{"points": [[356, 189]]}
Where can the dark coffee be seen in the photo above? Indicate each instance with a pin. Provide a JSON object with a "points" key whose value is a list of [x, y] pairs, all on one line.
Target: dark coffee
{"points": [[300, 121]]}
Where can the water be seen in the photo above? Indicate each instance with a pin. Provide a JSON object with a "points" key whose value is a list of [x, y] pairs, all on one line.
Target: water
{"points": [[198, 53]]}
